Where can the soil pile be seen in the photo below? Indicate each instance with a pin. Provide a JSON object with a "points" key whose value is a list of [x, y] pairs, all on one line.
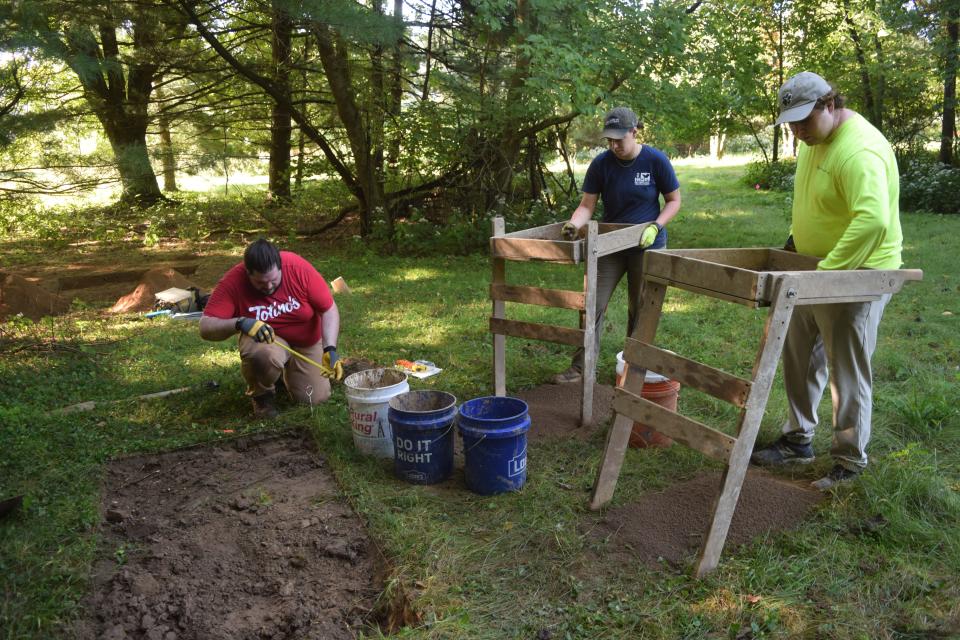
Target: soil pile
{"points": [[20, 295], [153, 281], [240, 540], [555, 410], [670, 525]]}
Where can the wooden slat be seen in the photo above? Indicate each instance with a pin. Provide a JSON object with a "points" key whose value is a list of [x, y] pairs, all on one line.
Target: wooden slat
{"points": [[715, 382], [536, 331], [544, 232], [545, 250], [837, 300], [706, 292], [558, 298], [749, 258], [695, 435], [616, 240], [498, 278], [705, 276], [781, 260], [589, 324], [860, 282]]}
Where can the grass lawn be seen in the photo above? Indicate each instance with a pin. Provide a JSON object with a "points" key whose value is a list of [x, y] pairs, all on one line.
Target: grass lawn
{"points": [[522, 565]]}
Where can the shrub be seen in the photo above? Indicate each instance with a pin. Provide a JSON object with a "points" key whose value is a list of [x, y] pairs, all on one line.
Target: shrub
{"points": [[927, 185], [777, 176]]}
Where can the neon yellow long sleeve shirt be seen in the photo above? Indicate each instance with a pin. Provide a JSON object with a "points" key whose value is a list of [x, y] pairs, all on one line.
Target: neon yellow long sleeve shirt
{"points": [[846, 200]]}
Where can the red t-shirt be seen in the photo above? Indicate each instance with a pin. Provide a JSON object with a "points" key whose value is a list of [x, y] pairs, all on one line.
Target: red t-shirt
{"points": [[293, 310]]}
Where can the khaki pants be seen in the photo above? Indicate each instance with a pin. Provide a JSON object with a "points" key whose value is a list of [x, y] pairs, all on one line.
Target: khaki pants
{"points": [[842, 337], [262, 364]]}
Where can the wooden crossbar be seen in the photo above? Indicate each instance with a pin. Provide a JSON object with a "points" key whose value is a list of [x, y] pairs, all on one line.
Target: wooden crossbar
{"points": [[693, 434], [537, 295], [536, 331], [719, 384]]}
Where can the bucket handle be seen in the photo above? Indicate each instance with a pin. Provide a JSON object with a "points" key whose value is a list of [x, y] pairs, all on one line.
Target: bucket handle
{"points": [[442, 435], [475, 444]]}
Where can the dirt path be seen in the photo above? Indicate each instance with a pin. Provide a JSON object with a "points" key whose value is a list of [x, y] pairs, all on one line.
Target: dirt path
{"points": [[247, 539]]}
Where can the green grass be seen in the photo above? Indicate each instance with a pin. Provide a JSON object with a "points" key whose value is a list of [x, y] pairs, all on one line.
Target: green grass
{"points": [[877, 560]]}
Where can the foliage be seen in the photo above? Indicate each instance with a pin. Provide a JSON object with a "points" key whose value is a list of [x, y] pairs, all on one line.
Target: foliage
{"points": [[878, 559], [927, 185], [771, 175]]}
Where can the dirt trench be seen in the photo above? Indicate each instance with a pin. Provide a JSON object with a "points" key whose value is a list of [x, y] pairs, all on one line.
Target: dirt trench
{"points": [[242, 539]]}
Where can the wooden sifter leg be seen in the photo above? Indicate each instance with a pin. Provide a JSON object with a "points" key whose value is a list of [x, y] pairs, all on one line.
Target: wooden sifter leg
{"points": [[651, 305]]}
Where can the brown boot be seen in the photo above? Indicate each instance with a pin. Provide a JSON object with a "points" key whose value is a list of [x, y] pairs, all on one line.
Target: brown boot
{"points": [[264, 406]]}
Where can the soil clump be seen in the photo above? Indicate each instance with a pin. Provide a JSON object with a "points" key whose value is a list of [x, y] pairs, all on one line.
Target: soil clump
{"points": [[669, 526], [243, 539]]}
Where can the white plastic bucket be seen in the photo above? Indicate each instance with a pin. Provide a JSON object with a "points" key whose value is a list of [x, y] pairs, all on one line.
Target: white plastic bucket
{"points": [[651, 377], [368, 397]]}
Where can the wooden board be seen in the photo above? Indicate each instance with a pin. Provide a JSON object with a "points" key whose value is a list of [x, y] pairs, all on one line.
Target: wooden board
{"points": [[557, 298], [536, 331], [524, 249]]}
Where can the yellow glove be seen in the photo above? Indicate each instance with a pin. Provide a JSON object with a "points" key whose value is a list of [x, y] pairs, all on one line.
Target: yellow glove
{"points": [[649, 235], [569, 231], [332, 367], [256, 329]]}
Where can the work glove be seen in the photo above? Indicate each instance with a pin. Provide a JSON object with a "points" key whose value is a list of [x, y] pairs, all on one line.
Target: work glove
{"points": [[649, 235], [788, 245], [256, 329], [569, 231], [333, 368]]}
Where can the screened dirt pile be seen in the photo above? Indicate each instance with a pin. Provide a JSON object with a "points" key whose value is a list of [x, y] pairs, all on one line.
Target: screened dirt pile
{"points": [[246, 539], [555, 410]]}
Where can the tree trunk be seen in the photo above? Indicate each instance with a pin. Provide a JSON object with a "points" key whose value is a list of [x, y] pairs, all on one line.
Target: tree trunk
{"points": [[167, 155], [281, 124], [948, 128], [396, 87]]}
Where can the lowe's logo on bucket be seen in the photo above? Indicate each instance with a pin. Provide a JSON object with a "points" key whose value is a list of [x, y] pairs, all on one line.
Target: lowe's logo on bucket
{"points": [[518, 464]]}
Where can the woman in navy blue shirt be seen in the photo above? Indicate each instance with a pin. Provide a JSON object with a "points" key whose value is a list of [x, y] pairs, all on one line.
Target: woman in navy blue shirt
{"points": [[630, 177]]}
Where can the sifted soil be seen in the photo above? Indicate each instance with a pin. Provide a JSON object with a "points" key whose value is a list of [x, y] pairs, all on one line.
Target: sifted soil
{"points": [[243, 539], [555, 410], [670, 525]]}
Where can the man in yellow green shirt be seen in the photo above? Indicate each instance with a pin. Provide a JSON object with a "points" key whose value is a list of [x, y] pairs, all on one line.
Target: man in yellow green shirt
{"points": [[845, 211]]}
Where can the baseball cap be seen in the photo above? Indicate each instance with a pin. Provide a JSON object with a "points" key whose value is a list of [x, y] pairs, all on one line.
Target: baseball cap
{"points": [[618, 122], [799, 95]]}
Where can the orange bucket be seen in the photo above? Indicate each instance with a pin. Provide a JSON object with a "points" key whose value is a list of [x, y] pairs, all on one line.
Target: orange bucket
{"points": [[658, 389]]}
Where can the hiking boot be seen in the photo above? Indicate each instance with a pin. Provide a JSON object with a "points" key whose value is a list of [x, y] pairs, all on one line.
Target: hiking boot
{"points": [[838, 475], [264, 406], [570, 375], [782, 452]]}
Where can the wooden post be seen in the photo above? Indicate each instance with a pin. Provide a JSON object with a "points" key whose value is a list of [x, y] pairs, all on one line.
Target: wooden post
{"points": [[651, 304], [499, 311], [764, 368], [589, 376]]}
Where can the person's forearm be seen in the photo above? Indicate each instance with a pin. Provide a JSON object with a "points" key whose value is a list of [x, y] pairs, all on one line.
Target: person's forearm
{"points": [[581, 216], [216, 329], [330, 324], [670, 208]]}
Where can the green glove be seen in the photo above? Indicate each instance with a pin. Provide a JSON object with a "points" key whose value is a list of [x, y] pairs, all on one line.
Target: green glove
{"points": [[649, 235], [256, 329], [569, 231]]}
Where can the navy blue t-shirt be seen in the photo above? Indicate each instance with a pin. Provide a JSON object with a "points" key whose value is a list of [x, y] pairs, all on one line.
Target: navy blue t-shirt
{"points": [[631, 194]]}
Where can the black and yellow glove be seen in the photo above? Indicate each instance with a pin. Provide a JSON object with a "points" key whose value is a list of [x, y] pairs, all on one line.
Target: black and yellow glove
{"points": [[256, 329], [331, 362], [569, 231]]}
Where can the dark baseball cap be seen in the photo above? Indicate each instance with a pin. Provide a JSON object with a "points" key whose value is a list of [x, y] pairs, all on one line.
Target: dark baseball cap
{"points": [[618, 122], [798, 96]]}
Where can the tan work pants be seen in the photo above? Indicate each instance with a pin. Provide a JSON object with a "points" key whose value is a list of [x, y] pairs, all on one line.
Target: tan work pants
{"points": [[262, 364], [841, 337]]}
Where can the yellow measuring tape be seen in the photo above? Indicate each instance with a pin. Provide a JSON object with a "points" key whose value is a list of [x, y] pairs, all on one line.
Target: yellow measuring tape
{"points": [[327, 372]]}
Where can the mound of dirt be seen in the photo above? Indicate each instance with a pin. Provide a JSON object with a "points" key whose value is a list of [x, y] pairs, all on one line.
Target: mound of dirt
{"points": [[670, 525], [555, 410], [20, 295], [153, 281], [247, 539]]}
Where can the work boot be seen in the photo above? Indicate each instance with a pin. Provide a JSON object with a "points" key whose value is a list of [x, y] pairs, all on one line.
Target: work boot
{"points": [[570, 375], [838, 475], [783, 452], [264, 406]]}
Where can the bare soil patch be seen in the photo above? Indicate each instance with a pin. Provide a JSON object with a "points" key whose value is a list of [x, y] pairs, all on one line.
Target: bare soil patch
{"points": [[555, 410], [242, 539], [669, 526]]}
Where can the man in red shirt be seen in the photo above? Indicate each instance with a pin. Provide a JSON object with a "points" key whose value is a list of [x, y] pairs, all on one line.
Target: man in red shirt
{"points": [[276, 297]]}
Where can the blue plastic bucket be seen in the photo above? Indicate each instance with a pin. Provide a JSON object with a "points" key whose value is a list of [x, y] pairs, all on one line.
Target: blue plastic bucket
{"points": [[422, 423], [494, 431]]}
